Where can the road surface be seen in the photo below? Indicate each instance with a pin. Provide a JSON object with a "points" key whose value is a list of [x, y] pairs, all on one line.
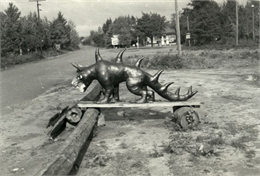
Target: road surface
{"points": [[25, 82]]}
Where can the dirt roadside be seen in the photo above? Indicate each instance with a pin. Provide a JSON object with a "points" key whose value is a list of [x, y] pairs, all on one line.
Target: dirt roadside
{"points": [[230, 128], [145, 142]]}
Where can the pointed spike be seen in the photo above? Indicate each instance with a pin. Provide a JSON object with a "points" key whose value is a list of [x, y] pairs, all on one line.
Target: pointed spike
{"points": [[155, 78], [74, 65], [193, 93], [190, 90], [97, 55], [138, 63], [177, 91], [77, 66], [119, 58], [166, 86]]}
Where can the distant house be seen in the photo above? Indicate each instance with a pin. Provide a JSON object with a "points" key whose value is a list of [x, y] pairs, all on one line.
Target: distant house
{"points": [[168, 38]]}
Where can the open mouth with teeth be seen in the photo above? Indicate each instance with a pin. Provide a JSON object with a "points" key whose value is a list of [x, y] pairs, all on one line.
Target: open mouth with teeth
{"points": [[79, 85], [82, 87]]}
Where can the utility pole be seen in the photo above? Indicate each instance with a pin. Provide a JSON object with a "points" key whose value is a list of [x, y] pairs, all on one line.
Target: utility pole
{"points": [[38, 10], [39, 25], [188, 28], [253, 26], [236, 23], [178, 29]]}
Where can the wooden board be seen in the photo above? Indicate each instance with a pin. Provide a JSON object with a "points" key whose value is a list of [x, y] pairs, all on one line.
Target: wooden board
{"points": [[90, 104]]}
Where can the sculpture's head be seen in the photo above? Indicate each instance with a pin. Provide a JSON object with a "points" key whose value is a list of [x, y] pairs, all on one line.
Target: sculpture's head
{"points": [[83, 78]]}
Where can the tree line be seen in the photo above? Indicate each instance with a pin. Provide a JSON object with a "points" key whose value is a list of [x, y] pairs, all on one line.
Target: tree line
{"points": [[208, 21], [129, 29], [28, 34]]}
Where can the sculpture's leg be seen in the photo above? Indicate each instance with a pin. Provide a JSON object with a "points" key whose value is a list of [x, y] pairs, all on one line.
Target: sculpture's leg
{"points": [[107, 95], [116, 93], [150, 95], [137, 90]]}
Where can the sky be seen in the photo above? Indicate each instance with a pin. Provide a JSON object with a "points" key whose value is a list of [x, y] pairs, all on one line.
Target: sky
{"points": [[88, 15]]}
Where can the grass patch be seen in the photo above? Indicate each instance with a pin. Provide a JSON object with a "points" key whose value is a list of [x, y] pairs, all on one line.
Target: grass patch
{"points": [[15, 59], [238, 144], [216, 141], [129, 163], [155, 153], [166, 61], [248, 54], [201, 59]]}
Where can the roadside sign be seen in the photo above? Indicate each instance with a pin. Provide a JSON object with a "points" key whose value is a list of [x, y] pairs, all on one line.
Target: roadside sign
{"points": [[187, 35], [115, 40]]}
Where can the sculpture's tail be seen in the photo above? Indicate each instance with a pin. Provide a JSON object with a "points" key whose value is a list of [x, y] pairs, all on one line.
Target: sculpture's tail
{"points": [[162, 90]]}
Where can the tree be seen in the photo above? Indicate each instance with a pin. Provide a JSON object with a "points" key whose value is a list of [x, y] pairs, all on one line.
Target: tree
{"points": [[30, 32], [151, 25], [46, 32], [97, 38], [10, 30], [60, 31], [107, 32], [123, 26], [228, 19], [107, 25], [74, 37], [4, 49], [183, 23], [204, 20], [246, 19]]}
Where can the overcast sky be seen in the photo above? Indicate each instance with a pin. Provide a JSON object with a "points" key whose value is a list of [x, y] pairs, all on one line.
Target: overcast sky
{"points": [[89, 14]]}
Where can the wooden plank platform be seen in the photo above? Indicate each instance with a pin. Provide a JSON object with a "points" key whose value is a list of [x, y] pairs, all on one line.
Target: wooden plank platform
{"points": [[90, 104]]}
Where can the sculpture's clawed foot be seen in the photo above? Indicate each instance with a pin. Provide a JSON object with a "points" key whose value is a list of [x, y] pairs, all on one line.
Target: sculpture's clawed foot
{"points": [[114, 100], [102, 101], [142, 100]]}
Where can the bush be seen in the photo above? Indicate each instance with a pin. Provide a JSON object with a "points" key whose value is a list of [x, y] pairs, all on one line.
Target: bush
{"points": [[17, 59], [248, 54], [166, 61], [160, 61]]}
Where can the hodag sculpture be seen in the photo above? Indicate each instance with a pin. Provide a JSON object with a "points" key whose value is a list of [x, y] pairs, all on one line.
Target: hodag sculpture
{"points": [[110, 75]]}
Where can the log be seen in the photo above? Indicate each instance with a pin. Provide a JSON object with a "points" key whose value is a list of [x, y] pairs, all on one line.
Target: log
{"points": [[94, 94], [65, 160]]}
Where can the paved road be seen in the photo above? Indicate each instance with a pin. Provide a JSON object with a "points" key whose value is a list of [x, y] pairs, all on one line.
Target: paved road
{"points": [[25, 82]]}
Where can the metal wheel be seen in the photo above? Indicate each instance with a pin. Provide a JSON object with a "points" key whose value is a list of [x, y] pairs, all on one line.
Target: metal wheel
{"points": [[187, 117]]}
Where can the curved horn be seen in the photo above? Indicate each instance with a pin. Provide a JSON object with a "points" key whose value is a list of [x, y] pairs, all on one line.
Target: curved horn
{"points": [[138, 63], [77, 66], [166, 86], [97, 55], [119, 58]]}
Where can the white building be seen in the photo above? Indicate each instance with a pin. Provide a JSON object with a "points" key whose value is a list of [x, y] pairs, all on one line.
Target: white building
{"points": [[167, 39]]}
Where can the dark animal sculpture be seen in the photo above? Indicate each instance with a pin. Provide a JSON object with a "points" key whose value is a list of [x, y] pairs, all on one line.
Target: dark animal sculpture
{"points": [[110, 75]]}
